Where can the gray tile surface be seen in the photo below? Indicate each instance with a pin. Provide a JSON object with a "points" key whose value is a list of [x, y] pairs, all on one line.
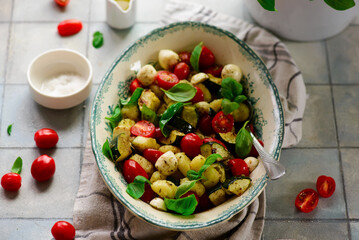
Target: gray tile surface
{"points": [[4, 31], [5, 10], [354, 227]]}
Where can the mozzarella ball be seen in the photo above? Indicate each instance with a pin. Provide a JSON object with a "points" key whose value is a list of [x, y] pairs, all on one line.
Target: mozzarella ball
{"points": [[147, 75], [167, 59], [233, 71]]}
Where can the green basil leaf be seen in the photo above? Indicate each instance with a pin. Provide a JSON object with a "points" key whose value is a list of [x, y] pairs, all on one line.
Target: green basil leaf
{"points": [[268, 4], [240, 98], [115, 117], [137, 188], [228, 106], [149, 115], [181, 92], [184, 188], [184, 206], [106, 150], [340, 5], [196, 53], [17, 166], [168, 115], [244, 142], [230, 88], [133, 99], [9, 129], [193, 175], [97, 41]]}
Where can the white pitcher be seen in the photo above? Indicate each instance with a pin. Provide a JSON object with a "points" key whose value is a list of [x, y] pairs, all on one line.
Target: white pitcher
{"points": [[116, 17]]}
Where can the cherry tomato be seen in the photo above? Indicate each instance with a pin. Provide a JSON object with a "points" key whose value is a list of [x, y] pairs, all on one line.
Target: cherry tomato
{"points": [[190, 144], [63, 230], [148, 195], [222, 123], [207, 140], [135, 84], [204, 203], [43, 168], [132, 169], [199, 97], [238, 167], [185, 57], [166, 79], [325, 186], [152, 155], [253, 152], [214, 70], [62, 3], [158, 133], [181, 70], [307, 200], [205, 125], [46, 138], [143, 128], [69, 27], [11, 182], [206, 59]]}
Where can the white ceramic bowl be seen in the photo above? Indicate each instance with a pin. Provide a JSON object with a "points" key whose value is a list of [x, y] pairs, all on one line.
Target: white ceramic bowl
{"points": [[263, 95], [54, 63]]}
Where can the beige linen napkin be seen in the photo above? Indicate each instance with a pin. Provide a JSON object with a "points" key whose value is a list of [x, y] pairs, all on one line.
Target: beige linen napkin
{"points": [[98, 215]]}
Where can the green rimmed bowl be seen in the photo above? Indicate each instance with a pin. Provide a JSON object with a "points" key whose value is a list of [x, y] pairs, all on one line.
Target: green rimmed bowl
{"points": [[262, 93]]}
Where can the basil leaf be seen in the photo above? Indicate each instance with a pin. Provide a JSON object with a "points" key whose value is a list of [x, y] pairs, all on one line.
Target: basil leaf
{"points": [[137, 188], [193, 175], [240, 98], [268, 4], [148, 115], [181, 92], [196, 53], [228, 106], [340, 5], [184, 188], [244, 142], [168, 115], [184, 206], [230, 88], [115, 117], [17, 167], [9, 129], [97, 41], [106, 150], [134, 98]]}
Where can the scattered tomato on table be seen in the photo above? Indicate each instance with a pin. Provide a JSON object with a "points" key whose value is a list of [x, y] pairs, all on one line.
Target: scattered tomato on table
{"points": [[43, 168], [69, 27], [325, 186], [46, 138], [63, 230], [307, 200], [12, 181], [62, 3]]}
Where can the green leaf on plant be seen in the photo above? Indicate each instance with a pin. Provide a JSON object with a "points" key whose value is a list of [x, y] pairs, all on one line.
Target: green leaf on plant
{"points": [[184, 188], [184, 206], [133, 99], [168, 115], [340, 5], [230, 88], [137, 188], [268, 4], [228, 106], [9, 129], [106, 150], [196, 53], [181, 92], [17, 166], [97, 41], [149, 115], [115, 117], [244, 142]]}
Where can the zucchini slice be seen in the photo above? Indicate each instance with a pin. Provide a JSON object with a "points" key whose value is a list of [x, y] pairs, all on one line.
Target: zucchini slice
{"points": [[217, 195], [222, 170], [229, 137], [238, 185], [213, 147], [189, 114], [181, 125], [174, 138], [121, 147]]}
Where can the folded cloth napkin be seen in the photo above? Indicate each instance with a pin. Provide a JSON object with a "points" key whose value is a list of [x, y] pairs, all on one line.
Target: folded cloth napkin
{"points": [[98, 215]]}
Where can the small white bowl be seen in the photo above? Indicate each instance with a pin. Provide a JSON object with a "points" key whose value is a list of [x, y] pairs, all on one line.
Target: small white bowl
{"points": [[54, 63]]}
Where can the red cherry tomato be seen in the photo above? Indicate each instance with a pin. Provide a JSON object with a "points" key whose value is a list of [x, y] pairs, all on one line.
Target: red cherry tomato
{"points": [[149, 194], [307, 200], [189, 193], [206, 58], [181, 70], [143, 128], [63, 230], [204, 203], [214, 70], [132, 169], [207, 140], [166, 79], [46, 138], [69, 27], [199, 97], [152, 155], [62, 3], [185, 57], [238, 167], [11, 182], [325, 186], [222, 123], [205, 125], [43, 168], [253, 152], [158, 133], [135, 84], [190, 144]]}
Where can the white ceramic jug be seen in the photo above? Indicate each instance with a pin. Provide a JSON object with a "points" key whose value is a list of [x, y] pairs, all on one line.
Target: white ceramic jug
{"points": [[116, 17]]}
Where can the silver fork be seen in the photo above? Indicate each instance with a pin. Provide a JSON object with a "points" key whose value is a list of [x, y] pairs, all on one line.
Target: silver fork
{"points": [[273, 168]]}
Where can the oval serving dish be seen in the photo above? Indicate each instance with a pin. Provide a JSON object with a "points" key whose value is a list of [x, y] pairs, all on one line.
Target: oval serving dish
{"points": [[262, 93]]}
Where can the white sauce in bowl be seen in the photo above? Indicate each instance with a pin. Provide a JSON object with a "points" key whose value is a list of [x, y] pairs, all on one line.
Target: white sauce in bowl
{"points": [[63, 84]]}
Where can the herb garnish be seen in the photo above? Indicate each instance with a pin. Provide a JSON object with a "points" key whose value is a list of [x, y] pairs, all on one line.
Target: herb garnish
{"points": [[97, 41], [181, 92], [231, 90], [9, 129], [244, 142], [196, 53], [17, 166], [137, 188]]}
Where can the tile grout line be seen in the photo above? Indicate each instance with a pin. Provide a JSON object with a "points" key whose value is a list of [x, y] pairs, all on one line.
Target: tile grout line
{"points": [[338, 140]]}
